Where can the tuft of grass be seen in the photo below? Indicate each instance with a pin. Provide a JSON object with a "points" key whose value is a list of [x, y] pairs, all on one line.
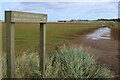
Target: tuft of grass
{"points": [[74, 63], [26, 65], [69, 62]]}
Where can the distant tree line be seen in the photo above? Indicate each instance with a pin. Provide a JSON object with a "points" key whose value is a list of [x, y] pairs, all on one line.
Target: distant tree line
{"points": [[109, 20], [74, 20]]}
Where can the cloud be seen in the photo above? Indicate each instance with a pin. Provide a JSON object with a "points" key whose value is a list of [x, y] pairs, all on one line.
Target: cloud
{"points": [[104, 8], [47, 5], [69, 10], [59, 1], [0, 8]]}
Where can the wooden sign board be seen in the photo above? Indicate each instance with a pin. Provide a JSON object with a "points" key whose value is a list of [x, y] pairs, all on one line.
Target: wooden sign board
{"points": [[16, 16]]}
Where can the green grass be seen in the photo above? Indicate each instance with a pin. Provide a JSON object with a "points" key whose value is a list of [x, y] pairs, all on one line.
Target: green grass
{"points": [[67, 62], [27, 35], [72, 62]]}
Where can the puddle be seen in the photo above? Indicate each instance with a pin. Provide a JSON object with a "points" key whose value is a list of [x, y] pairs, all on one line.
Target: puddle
{"points": [[102, 33]]}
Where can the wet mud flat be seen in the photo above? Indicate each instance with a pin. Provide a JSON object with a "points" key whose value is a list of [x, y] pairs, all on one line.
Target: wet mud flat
{"points": [[104, 51], [102, 44]]}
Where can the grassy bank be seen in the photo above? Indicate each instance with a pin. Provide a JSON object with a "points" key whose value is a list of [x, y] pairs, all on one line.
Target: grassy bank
{"points": [[69, 62], [27, 35]]}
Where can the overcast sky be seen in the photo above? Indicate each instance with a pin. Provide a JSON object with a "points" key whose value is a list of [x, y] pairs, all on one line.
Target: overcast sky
{"points": [[65, 10]]}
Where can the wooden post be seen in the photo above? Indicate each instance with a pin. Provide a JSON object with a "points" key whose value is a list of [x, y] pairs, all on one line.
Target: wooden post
{"points": [[10, 46], [42, 48], [0, 50]]}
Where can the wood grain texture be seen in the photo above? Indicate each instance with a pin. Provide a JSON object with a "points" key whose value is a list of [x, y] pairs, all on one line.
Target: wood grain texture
{"points": [[10, 46], [42, 47], [27, 17], [0, 50]]}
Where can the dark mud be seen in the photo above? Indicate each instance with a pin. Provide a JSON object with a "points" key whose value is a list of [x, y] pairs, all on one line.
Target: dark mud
{"points": [[102, 44]]}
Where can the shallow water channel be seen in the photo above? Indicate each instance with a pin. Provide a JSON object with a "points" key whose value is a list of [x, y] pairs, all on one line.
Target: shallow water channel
{"points": [[103, 44], [104, 33]]}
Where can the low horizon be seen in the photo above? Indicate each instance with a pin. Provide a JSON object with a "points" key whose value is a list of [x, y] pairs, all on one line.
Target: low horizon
{"points": [[76, 20]]}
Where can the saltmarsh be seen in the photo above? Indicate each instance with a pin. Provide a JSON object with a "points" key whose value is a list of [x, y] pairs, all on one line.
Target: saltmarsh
{"points": [[66, 63], [27, 34]]}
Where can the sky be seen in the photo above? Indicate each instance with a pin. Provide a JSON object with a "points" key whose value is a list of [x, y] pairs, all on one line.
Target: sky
{"points": [[65, 10]]}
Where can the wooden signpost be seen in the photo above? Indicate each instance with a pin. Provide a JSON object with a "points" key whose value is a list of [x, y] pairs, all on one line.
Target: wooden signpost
{"points": [[23, 17], [0, 50]]}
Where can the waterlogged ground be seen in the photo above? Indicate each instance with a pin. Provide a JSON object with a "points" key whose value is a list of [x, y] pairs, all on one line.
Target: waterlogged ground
{"points": [[102, 33], [103, 46]]}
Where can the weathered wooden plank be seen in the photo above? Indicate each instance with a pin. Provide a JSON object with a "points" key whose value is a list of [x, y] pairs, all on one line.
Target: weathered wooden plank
{"points": [[27, 17], [10, 46], [42, 48], [0, 50]]}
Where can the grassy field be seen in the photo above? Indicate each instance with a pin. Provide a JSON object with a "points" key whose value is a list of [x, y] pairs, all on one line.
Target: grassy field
{"points": [[27, 35], [71, 62]]}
